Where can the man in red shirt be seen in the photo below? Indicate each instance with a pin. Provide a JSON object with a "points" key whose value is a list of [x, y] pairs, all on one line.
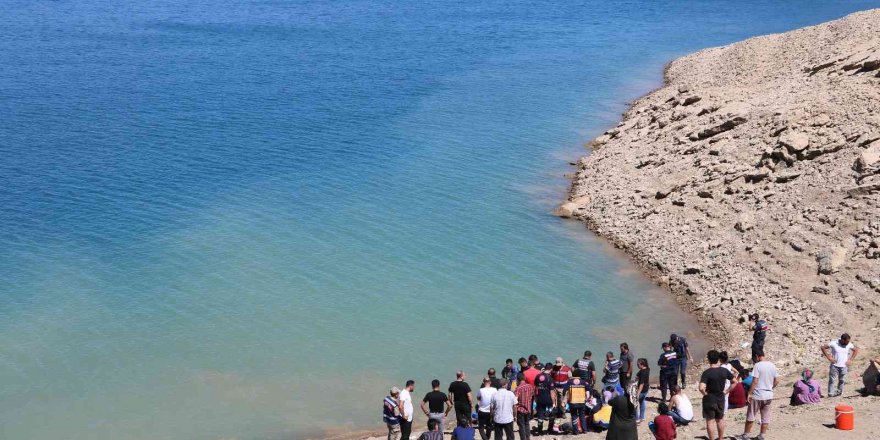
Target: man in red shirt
{"points": [[524, 393], [530, 373]]}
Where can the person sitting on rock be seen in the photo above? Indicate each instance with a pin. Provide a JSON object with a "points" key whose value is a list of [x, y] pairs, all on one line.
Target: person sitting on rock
{"points": [[806, 390]]}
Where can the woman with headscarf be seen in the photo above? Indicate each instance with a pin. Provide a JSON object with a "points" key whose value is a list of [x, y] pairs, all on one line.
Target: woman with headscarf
{"points": [[806, 390], [623, 419]]}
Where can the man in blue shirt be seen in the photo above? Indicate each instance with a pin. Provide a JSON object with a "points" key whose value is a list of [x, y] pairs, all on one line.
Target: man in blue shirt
{"points": [[669, 365]]}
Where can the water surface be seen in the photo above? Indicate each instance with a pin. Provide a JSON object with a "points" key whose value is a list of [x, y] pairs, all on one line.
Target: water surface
{"points": [[248, 219]]}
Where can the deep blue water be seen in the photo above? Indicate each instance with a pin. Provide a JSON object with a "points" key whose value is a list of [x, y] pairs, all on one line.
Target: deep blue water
{"points": [[249, 219]]}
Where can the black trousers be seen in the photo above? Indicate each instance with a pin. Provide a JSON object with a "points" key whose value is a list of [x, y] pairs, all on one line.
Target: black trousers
{"points": [[405, 429], [668, 381], [462, 410], [522, 421], [506, 428], [484, 425], [624, 381]]}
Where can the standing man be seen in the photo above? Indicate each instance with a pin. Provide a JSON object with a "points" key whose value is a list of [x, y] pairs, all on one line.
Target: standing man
{"points": [[510, 372], [524, 393], [765, 379], [503, 411], [612, 371], [760, 328], [484, 409], [626, 366], [391, 414], [406, 409], [544, 398], [531, 371], [682, 353], [586, 368], [712, 388], [496, 383], [436, 405], [577, 396], [561, 376], [841, 354], [668, 363], [460, 396]]}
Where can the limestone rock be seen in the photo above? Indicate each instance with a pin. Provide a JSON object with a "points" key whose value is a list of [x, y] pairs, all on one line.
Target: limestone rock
{"points": [[830, 260], [795, 142]]}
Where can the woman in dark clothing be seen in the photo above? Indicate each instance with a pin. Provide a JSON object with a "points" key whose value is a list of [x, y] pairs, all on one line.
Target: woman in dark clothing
{"points": [[623, 419]]}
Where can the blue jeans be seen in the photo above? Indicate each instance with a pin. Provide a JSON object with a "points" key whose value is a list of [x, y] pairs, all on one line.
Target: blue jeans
{"points": [[682, 369], [679, 420], [642, 404], [836, 374]]}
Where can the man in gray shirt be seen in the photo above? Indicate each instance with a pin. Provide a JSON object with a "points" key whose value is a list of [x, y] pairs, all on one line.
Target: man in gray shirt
{"points": [[627, 362], [760, 397]]}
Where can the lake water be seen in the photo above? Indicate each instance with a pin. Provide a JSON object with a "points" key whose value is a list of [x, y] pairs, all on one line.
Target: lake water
{"points": [[248, 219]]}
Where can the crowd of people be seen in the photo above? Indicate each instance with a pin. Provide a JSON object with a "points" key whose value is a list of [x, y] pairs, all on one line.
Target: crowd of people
{"points": [[536, 398]]}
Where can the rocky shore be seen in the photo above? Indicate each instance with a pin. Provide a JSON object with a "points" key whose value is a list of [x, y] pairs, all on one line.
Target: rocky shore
{"points": [[750, 183]]}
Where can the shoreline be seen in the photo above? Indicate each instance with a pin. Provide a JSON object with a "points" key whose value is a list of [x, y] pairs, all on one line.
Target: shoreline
{"points": [[720, 316], [752, 180]]}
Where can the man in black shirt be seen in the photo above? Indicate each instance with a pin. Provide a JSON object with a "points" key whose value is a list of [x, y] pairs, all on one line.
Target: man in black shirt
{"points": [[712, 384], [436, 405], [545, 399], [460, 396], [586, 369], [496, 382]]}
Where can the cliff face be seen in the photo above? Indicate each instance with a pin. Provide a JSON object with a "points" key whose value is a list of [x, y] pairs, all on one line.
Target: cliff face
{"points": [[751, 183]]}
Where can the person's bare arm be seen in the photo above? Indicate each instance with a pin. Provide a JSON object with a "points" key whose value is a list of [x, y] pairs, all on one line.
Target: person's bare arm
{"points": [[775, 381], [424, 407], [448, 406], [470, 398], [703, 388], [825, 352], [752, 387], [401, 409], [855, 352]]}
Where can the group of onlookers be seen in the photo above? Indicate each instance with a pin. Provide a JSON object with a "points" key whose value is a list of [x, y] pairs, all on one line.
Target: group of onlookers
{"points": [[616, 402]]}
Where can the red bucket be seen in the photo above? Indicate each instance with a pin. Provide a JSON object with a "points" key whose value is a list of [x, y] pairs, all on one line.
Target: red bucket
{"points": [[844, 417]]}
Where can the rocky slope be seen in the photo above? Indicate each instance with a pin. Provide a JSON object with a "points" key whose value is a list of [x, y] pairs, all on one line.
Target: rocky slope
{"points": [[750, 182]]}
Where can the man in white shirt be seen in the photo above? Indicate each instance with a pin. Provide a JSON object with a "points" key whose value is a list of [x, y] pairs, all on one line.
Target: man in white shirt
{"points": [[406, 409], [503, 411], [484, 409], [764, 379], [838, 353]]}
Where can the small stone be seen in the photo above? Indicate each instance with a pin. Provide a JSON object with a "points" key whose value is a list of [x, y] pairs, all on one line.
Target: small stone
{"points": [[692, 269], [830, 260], [691, 99], [745, 223], [794, 142]]}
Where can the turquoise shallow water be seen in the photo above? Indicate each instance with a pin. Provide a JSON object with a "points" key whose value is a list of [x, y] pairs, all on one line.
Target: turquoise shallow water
{"points": [[249, 219]]}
